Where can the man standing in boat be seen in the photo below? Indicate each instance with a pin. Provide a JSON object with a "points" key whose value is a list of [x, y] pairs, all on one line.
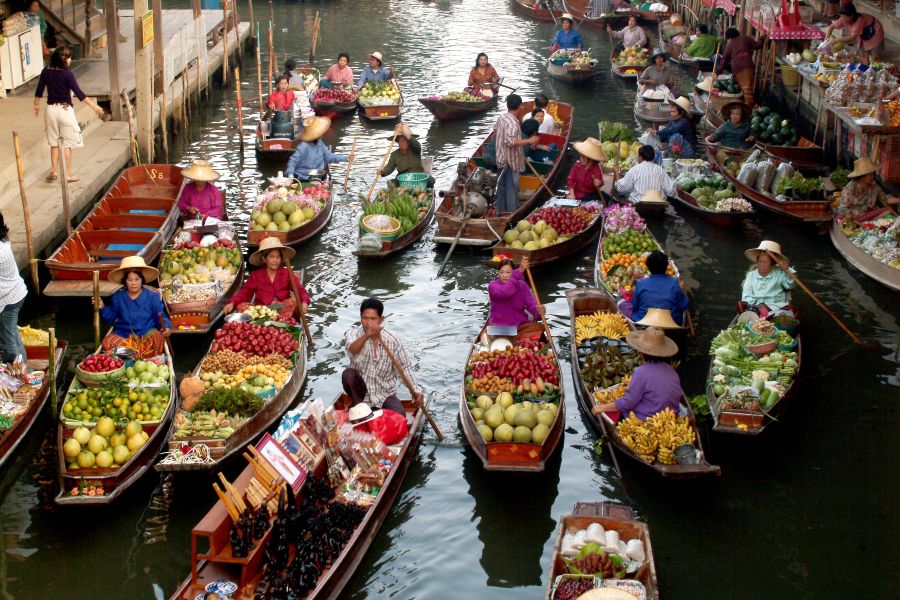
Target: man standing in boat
{"points": [[510, 155], [372, 375], [407, 158]]}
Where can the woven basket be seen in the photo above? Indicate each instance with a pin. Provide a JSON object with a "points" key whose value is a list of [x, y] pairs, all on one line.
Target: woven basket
{"points": [[96, 379], [191, 307]]}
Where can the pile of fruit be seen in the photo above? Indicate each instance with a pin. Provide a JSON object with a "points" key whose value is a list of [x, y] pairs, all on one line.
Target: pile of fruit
{"points": [[470, 94], [879, 238], [619, 218], [407, 205], [34, 337], [147, 373], [332, 95], [629, 242], [769, 127], [260, 312], [608, 365], [601, 323], [620, 280], [100, 363], [116, 400], [708, 189], [209, 424], [259, 340], [727, 86], [634, 56], [190, 263], [549, 225], [226, 361], [520, 366], [826, 77], [255, 378], [893, 110], [656, 438], [572, 58], [103, 447], [187, 293], [611, 394], [285, 208], [508, 421], [738, 205], [375, 93]]}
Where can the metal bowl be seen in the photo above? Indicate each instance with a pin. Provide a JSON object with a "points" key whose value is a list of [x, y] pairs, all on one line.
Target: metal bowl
{"points": [[124, 353], [237, 317]]}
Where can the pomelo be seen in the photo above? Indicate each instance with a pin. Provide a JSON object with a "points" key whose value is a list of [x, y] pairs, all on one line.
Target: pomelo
{"points": [[505, 400], [545, 417], [509, 415], [71, 448], [539, 433], [82, 434], [120, 454], [477, 414], [104, 459], [526, 418], [493, 417], [484, 402], [522, 434], [486, 432], [503, 433], [86, 459]]}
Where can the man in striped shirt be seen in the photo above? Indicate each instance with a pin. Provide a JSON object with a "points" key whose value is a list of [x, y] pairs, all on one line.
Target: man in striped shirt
{"points": [[510, 156], [372, 377], [644, 176]]}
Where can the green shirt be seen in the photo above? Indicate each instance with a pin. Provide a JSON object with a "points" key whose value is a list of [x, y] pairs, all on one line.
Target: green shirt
{"points": [[733, 136], [405, 162], [770, 290], [703, 46]]}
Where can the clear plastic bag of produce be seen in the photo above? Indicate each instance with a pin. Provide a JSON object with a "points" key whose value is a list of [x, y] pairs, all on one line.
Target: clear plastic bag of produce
{"points": [[747, 174], [765, 173], [783, 170], [369, 241]]}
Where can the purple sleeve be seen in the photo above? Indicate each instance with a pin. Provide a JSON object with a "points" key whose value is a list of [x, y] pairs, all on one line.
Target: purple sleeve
{"points": [[73, 85], [633, 394], [502, 291], [42, 83], [530, 302]]}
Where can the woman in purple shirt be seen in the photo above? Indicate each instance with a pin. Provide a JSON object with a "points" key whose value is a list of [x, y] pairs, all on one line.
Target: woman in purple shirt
{"points": [[59, 117], [654, 386], [510, 296]]}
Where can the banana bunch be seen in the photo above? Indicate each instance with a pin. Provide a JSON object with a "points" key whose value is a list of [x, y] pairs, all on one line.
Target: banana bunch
{"points": [[639, 437], [34, 337], [611, 394], [204, 424], [670, 432], [607, 324], [401, 208]]}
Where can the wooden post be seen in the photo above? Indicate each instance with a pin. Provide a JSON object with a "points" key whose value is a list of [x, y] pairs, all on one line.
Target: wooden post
{"points": [[88, 50], [253, 24], [163, 115], [225, 44], [64, 185], [96, 297], [271, 52], [112, 50], [240, 109], [144, 81], [51, 370], [262, 106], [135, 159], [26, 213]]}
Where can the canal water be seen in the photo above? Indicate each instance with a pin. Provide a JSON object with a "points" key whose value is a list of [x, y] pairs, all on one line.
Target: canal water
{"points": [[805, 511]]}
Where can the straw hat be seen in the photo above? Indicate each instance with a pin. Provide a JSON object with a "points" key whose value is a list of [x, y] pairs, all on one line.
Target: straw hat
{"points": [[592, 148], [683, 103], [706, 84], [863, 166], [362, 413], [658, 317], [652, 342], [201, 170], [567, 16], [675, 20], [726, 110], [133, 263], [271, 243], [314, 129], [765, 246], [653, 196], [377, 56]]}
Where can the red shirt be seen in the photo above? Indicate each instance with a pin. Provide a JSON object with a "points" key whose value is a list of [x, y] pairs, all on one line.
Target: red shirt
{"points": [[281, 100], [261, 290], [581, 181], [739, 54]]}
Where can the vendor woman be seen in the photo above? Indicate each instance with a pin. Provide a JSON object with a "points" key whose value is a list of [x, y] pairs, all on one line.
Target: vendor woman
{"points": [[282, 98], [659, 72], [735, 132], [766, 286], [201, 198], [585, 179], [654, 386], [312, 153], [862, 194], [483, 74], [375, 70], [271, 285], [566, 38], [510, 296], [679, 131], [135, 309]]}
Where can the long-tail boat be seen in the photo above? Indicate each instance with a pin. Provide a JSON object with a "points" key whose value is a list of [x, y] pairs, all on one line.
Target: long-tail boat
{"points": [[445, 109], [884, 274]]}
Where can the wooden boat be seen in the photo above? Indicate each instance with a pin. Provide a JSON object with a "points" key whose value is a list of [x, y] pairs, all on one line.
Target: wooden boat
{"points": [[486, 231], [114, 481], [212, 532], [275, 148], [629, 72], [222, 450], [513, 457], [721, 219], [648, 209], [389, 247], [38, 360], [587, 301], [333, 109], [136, 216], [611, 517], [527, 8], [452, 110], [807, 211], [884, 274], [649, 112], [554, 252], [805, 154], [298, 235], [381, 112], [571, 74], [743, 422]]}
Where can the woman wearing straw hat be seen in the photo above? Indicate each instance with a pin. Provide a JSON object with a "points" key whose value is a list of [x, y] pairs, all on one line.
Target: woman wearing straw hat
{"points": [[135, 310], [202, 199], [270, 285], [586, 179], [767, 284], [658, 290], [678, 133], [566, 38], [658, 73], [312, 153], [735, 131], [375, 70], [862, 194], [654, 386]]}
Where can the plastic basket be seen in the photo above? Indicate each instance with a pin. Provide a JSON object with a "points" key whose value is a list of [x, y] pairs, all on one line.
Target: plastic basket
{"points": [[560, 61], [381, 225], [415, 181]]}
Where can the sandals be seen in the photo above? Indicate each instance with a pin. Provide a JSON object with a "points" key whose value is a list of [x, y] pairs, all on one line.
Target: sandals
{"points": [[51, 177], [72, 179]]}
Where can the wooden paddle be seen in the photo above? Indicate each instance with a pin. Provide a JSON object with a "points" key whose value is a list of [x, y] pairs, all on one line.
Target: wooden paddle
{"points": [[409, 386], [296, 292], [852, 335], [383, 162], [541, 179], [349, 165], [162, 328], [709, 97], [455, 240], [542, 310], [96, 297]]}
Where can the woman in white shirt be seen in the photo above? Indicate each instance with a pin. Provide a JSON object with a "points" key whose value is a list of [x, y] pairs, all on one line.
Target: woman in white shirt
{"points": [[12, 296]]}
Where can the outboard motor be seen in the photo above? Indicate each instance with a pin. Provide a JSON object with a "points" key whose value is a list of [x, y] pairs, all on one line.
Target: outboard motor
{"points": [[282, 124]]}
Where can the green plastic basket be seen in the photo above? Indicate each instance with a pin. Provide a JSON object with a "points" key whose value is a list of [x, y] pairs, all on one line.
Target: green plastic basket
{"points": [[416, 181]]}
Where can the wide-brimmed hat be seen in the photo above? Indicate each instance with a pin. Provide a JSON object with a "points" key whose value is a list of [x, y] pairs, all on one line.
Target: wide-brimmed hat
{"points": [[766, 246], [314, 129], [675, 19], [683, 103], [658, 52], [726, 110], [362, 413], [658, 317], [567, 16], [200, 170], [592, 148], [706, 84], [377, 55], [271, 243], [863, 166], [652, 342], [652, 196], [133, 263]]}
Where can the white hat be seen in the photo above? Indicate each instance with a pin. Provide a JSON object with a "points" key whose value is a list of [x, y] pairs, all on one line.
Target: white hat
{"points": [[683, 103], [362, 413], [765, 246], [201, 170], [567, 16], [377, 55]]}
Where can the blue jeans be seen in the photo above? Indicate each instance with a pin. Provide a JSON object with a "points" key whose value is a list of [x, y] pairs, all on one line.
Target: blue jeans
{"points": [[507, 191], [10, 340]]}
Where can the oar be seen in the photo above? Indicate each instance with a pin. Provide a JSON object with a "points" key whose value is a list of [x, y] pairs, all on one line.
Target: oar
{"points": [[498, 84], [315, 38], [26, 214], [349, 165], [455, 240], [383, 162], [541, 179], [296, 291], [162, 326], [409, 386], [96, 296], [709, 94], [852, 335], [541, 307]]}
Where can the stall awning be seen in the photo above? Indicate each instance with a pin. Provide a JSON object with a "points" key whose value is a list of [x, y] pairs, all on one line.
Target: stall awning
{"points": [[803, 32], [726, 5]]}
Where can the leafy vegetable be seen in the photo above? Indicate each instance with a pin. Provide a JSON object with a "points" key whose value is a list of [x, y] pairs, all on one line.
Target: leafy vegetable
{"points": [[237, 402], [615, 132]]}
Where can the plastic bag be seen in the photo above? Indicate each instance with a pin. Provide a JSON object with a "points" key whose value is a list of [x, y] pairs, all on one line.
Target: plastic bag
{"points": [[390, 427], [649, 138], [783, 170], [747, 174], [765, 173]]}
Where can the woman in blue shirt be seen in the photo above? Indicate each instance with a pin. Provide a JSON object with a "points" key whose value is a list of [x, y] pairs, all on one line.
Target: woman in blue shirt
{"points": [[375, 71], [679, 132], [658, 291], [135, 309], [566, 38], [312, 153]]}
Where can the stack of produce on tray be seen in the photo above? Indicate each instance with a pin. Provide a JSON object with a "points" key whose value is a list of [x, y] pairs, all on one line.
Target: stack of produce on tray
{"points": [[604, 360], [34, 337], [283, 208], [18, 386], [627, 263], [634, 56], [714, 192], [601, 323], [743, 375], [781, 181], [105, 446], [769, 127], [655, 439], [580, 59], [379, 93], [469, 94], [332, 95], [407, 205], [853, 86], [550, 225], [188, 267], [619, 146], [513, 394], [107, 388], [893, 111], [879, 238]]}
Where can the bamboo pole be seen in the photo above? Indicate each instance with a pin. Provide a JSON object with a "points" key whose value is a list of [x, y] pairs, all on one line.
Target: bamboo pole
{"points": [[542, 311], [349, 165], [163, 118], [271, 52], [240, 109], [64, 185], [383, 161], [262, 107], [51, 368], [225, 45], [26, 214], [315, 38], [95, 276], [135, 159], [709, 94], [412, 391]]}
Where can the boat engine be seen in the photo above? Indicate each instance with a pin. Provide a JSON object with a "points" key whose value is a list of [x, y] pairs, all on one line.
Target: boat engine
{"points": [[480, 189]]}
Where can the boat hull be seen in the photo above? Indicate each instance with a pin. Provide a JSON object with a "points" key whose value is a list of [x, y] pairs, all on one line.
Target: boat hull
{"points": [[884, 274], [448, 110], [571, 75], [719, 219], [300, 235]]}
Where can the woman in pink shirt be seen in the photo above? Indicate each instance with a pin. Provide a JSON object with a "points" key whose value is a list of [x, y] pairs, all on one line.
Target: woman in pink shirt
{"points": [[510, 296], [586, 178], [865, 28], [271, 284], [340, 74], [201, 198]]}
